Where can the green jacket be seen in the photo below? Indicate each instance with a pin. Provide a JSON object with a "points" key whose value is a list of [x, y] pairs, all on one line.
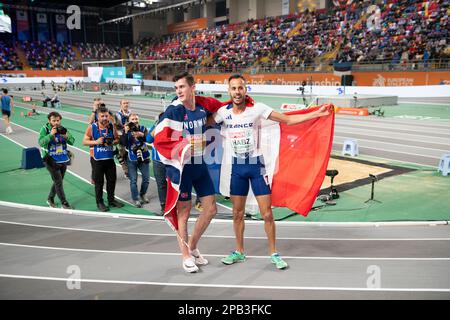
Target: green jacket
{"points": [[45, 137]]}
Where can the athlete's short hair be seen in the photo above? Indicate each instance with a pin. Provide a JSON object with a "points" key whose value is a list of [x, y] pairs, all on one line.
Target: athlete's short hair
{"points": [[5, 91], [189, 78], [236, 76]]}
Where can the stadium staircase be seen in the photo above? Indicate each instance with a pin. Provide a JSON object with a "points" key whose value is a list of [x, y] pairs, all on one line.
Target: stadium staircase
{"points": [[323, 61], [22, 58], [78, 56], [295, 30]]}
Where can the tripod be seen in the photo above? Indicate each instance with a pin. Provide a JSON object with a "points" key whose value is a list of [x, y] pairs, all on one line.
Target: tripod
{"points": [[374, 178]]}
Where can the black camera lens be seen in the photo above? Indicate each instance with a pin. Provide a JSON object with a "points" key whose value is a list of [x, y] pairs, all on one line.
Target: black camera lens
{"points": [[61, 130]]}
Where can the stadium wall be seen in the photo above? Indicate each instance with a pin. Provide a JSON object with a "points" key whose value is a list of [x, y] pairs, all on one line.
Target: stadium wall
{"points": [[41, 73], [379, 79], [406, 92]]}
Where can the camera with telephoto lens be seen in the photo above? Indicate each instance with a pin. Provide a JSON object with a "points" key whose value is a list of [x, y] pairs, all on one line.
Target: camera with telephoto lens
{"points": [[61, 130], [108, 141], [139, 150], [133, 127]]}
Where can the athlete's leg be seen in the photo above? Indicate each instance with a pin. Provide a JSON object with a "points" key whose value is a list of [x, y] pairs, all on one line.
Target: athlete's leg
{"points": [[204, 219], [183, 211], [264, 203], [238, 220]]}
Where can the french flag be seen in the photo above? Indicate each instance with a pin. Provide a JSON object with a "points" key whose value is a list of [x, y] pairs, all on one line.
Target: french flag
{"points": [[295, 159]]}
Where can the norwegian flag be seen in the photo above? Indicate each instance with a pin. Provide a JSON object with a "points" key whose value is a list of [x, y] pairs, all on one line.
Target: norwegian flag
{"points": [[174, 150]]}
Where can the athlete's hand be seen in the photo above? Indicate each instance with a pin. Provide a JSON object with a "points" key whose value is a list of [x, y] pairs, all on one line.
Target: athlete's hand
{"points": [[323, 111], [53, 132]]}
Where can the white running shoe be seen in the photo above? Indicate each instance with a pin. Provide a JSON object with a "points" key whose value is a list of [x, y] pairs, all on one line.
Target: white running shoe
{"points": [[199, 259], [9, 130], [189, 265]]}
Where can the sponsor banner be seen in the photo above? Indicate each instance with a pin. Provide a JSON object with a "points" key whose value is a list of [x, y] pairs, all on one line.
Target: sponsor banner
{"points": [[191, 25], [292, 106], [284, 7], [61, 29], [42, 28], [41, 17], [352, 111], [95, 73], [23, 28], [60, 19], [379, 79], [42, 73], [114, 73]]}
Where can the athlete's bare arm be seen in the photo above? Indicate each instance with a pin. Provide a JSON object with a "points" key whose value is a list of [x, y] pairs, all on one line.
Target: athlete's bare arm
{"points": [[210, 121], [299, 118]]}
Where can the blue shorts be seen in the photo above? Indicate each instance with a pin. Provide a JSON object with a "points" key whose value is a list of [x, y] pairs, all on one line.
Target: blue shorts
{"points": [[6, 113], [197, 176], [244, 172]]}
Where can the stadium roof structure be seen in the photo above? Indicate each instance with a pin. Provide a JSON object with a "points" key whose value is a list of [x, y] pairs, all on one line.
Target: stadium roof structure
{"points": [[144, 4]]}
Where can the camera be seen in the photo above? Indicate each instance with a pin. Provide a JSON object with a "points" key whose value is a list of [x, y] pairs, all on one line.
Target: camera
{"points": [[61, 130], [139, 149], [133, 127], [108, 141]]}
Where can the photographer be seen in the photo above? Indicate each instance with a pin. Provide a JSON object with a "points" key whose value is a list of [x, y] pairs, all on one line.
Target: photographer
{"points": [[122, 117], [54, 139], [138, 158], [159, 169], [101, 136]]}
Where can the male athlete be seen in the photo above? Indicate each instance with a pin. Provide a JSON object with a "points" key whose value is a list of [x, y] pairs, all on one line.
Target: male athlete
{"points": [[182, 129], [241, 121]]}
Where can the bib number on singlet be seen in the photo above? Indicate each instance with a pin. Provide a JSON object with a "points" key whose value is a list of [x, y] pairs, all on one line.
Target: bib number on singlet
{"points": [[242, 143], [198, 144]]}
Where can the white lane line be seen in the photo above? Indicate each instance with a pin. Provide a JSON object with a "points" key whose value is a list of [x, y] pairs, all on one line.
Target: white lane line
{"points": [[219, 236], [285, 224], [382, 134], [68, 170], [392, 143], [5, 136], [394, 151], [234, 286], [425, 103], [117, 165], [150, 253]]}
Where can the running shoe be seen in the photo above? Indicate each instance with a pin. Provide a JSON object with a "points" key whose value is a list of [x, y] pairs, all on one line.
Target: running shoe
{"points": [[278, 262], [189, 265], [199, 259], [235, 256]]}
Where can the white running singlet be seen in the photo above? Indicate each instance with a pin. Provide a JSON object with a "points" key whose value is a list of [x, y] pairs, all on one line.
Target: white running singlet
{"points": [[243, 130]]}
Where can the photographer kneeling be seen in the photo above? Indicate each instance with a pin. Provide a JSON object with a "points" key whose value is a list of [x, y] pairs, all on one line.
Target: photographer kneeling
{"points": [[54, 139], [101, 136], [138, 158]]}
